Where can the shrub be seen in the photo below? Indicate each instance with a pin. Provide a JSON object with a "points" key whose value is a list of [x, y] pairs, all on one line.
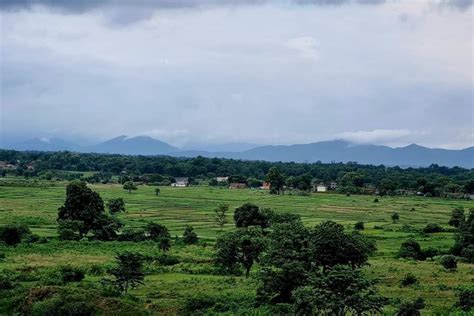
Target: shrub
{"points": [[432, 228], [376, 200], [6, 283], [189, 236], [13, 234], [430, 252], [468, 253], [132, 235], [465, 299], [410, 249], [69, 229], [359, 226], [449, 262], [408, 280], [411, 308], [395, 217], [71, 274]]}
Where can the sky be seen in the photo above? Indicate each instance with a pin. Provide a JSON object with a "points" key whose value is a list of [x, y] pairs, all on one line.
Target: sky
{"points": [[222, 71]]}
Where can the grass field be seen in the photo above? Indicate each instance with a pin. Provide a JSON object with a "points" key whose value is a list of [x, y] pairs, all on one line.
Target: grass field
{"points": [[167, 287]]}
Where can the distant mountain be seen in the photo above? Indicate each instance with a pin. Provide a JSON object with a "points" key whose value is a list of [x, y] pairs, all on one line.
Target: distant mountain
{"points": [[139, 145], [225, 147], [326, 151], [44, 144]]}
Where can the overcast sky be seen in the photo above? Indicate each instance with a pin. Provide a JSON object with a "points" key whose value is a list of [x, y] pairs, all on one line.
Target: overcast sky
{"points": [[265, 72]]}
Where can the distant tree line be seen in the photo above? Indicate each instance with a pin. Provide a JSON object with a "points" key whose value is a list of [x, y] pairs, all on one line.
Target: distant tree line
{"points": [[350, 177]]}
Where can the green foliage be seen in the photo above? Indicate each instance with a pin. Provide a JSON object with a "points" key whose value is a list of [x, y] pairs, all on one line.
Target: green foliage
{"points": [[189, 236], [359, 226], [129, 271], [157, 191], [12, 235], [242, 247], [409, 279], [410, 249], [411, 308], [160, 234], [465, 298], [129, 186], [250, 215], [340, 291], [432, 228], [220, 215], [70, 229], [457, 217], [449, 262], [116, 205], [276, 180], [395, 217], [81, 204]]}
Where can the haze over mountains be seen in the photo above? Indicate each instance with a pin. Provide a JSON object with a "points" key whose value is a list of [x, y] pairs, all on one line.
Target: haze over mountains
{"points": [[325, 151]]}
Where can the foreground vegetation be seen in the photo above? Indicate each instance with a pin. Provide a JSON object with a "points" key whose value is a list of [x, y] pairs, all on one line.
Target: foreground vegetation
{"points": [[185, 279]]}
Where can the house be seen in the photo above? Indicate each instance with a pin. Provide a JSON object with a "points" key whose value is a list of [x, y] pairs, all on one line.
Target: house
{"points": [[333, 185], [237, 185], [180, 182], [265, 186], [321, 188], [7, 166], [222, 179]]}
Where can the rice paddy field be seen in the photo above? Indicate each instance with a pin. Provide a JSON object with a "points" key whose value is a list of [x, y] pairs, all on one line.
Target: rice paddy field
{"points": [[167, 287]]}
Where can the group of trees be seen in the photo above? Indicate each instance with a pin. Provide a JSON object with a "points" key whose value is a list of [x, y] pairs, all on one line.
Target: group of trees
{"points": [[313, 271], [351, 177], [464, 240]]}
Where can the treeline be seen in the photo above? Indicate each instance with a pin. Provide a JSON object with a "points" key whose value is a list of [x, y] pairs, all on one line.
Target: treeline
{"points": [[434, 180]]}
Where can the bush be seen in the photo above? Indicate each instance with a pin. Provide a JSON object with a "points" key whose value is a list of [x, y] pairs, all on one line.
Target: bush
{"points": [[432, 228], [376, 200], [449, 262], [132, 235], [411, 308], [359, 226], [465, 299], [408, 280], [189, 236], [468, 253], [6, 283], [410, 249], [429, 253], [71, 274], [13, 234]]}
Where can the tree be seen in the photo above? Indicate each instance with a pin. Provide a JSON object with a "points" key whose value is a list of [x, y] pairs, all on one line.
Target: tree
{"points": [[157, 191], [160, 234], [465, 299], [12, 235], [129, 186], [457, 217], [395, 217], [250, 215], [81, 204], [331, 246], [276, 180], [449, 262], [340, 291], [359, 226], [220, 216], [116, 205], [189, 236], [242, 247], [410, 249], [129, 271]]}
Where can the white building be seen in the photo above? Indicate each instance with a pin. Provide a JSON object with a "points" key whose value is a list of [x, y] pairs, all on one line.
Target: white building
{"points": [[321, 188], [180, 182], [222, 179]]}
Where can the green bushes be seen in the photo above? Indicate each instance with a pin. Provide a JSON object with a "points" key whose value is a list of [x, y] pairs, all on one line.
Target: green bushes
{"points": [[465, 299], [13, 234], [410, 249], [432, 228], [359, 226], [449, 262], [411, 308], [63, 275], [408, 280]]}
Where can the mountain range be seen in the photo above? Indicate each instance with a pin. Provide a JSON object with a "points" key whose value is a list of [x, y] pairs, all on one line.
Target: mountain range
{"points": [[324, 151]]}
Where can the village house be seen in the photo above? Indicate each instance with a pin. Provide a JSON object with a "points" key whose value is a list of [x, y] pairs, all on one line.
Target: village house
{"points": [[333, 185], [236, 185], [222, 179], [321, 188], [180, 182], [265, 186], [7, 166]]}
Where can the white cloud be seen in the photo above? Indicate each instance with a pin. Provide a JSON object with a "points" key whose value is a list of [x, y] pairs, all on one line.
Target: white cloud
{"points": [[381, 136], [306, 46]]}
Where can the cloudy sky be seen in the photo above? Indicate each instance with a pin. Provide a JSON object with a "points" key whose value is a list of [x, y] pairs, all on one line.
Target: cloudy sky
{"points": [[264, 72]]}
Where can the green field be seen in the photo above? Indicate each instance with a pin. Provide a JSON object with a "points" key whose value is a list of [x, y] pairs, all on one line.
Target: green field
{"points": [[167, 287]]}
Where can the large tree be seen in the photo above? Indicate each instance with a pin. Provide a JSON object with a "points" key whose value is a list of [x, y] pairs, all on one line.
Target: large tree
{"points": [[242, 247], [83, 205], [129, 271], [276, 180], [250, 215]]}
